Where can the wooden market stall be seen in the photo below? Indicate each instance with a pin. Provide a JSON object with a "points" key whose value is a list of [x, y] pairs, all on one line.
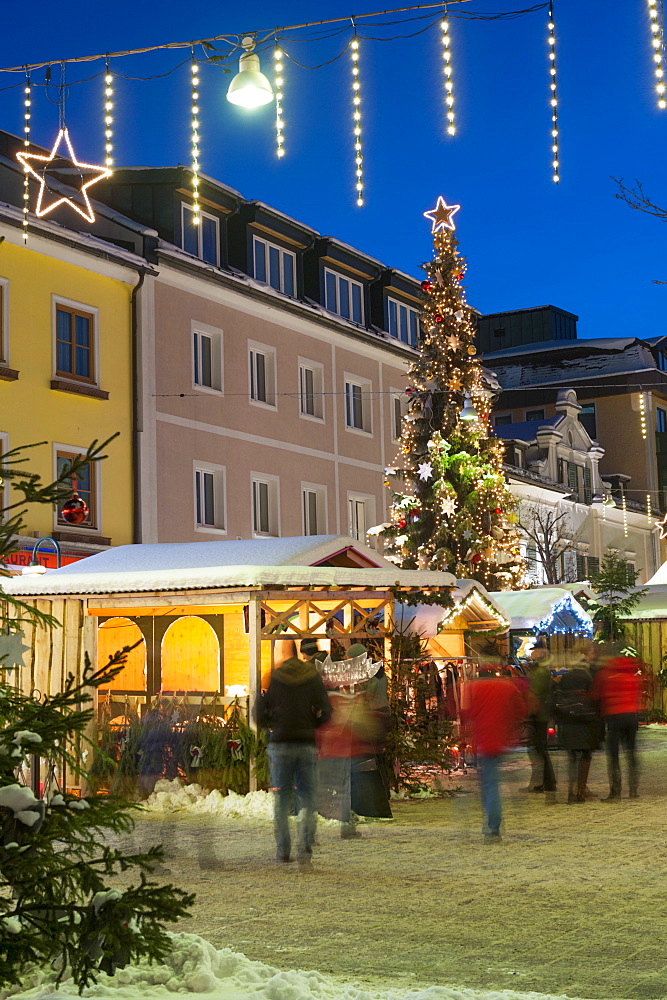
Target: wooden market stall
{"points": [[209, 618], [553, 612]]}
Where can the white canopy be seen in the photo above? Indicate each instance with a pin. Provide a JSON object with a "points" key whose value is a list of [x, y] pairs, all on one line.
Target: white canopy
{"points": [[528, 608], [659, 577], [256, 562]]}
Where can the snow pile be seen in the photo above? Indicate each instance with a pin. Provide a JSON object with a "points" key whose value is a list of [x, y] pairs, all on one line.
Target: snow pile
{"points": [[172, 796], [195, 966]]}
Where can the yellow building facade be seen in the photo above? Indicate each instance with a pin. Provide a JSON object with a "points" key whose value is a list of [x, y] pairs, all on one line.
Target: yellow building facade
{"points": [[66, 376]]}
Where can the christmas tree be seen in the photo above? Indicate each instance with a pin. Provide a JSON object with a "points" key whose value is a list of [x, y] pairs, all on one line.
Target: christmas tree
{"points": [[451, 508]]}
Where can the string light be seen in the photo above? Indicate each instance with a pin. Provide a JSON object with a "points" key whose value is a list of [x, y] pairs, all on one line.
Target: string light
{"points": [[624, 508], [649, 510], [108, 118], [196, 214], [356, 118], [657, 45], [566, 606], [447, 72], [27, 116], [642, 416], [553, 99], [280, 124]]}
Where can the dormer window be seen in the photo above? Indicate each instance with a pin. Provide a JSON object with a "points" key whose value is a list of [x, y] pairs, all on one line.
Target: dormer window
{"points": [[403, 322], [274, 265], [202, 239], [344, 296]]}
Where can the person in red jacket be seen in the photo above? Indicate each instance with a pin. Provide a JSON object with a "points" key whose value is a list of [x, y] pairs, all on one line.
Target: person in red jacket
{"points": [[619, 689], [493, 707]]}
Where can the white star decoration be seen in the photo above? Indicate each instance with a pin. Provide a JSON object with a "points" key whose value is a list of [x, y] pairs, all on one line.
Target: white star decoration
{"points": [[425, 471], [441, 215], [12, 650], [663, 527], [448, 506], [41, 210]]}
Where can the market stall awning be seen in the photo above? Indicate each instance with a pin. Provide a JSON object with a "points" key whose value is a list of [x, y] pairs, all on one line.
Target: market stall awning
{"points": [[545, 609]]}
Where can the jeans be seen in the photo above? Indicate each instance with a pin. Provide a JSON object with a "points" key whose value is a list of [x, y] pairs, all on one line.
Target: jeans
{"points": [[489, 783], [622, 731], [292, 767]]}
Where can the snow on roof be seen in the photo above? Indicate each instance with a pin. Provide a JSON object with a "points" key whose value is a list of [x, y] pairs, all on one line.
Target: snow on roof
{"points": [[255, 562], [425, 619], [659, 577], [527, 608], [653, 603]]}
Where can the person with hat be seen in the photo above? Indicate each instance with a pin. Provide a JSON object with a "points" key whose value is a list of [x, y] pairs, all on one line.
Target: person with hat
{"points": [[294, 705]]}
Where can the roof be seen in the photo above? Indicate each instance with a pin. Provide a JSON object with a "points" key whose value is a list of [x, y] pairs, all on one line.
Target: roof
{"points": [[529, 309], [652, 604], [525, 430], [256, 562], [529, 609], [471, 599], [659, 577]]}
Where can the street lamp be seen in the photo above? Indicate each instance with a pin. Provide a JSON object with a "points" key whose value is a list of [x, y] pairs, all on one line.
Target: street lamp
{"points": [[249, 88], [35, 567], [468, 412]]}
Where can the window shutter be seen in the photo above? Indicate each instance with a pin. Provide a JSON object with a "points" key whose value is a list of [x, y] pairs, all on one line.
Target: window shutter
{"points": [[588, 495], [573, 478], [581, 567]]}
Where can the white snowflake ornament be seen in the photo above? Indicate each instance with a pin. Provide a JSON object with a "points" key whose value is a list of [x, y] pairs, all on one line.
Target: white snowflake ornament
{"points": [[425, 471]]}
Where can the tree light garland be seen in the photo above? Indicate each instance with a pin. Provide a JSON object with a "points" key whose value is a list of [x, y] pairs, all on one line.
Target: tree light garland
{"points": [[447, 72], [27, 115], [553, 99], [108, 118], [356, 119], [658, 47], [278, 66], [196, 216]]}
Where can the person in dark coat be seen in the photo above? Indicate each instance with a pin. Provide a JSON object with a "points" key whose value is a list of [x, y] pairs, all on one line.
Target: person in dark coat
{"points": [[578, 728], [542, 777], [292, 708]]}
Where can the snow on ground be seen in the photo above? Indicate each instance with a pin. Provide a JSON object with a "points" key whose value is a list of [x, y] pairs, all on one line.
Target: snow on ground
{"points": [[195, 966], [174, 797]]}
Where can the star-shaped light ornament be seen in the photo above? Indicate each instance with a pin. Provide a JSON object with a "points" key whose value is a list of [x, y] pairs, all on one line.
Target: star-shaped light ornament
{"points": [[12, 650], [425, 471], [441, 215], [663, 527], [43, 163]]}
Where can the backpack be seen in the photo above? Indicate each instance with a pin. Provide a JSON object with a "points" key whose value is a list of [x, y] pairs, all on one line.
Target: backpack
{"points": [[574, 707]]}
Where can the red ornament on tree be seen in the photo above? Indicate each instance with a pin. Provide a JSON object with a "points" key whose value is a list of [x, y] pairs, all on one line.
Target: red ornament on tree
{"points": [[438, 317], [402, 524], [75, 510], [476, 558], [426, 285], [460, 276], [497, 511]]}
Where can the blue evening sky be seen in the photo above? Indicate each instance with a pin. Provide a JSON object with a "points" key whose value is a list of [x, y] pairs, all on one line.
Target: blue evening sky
{"points": [[527, 241]]}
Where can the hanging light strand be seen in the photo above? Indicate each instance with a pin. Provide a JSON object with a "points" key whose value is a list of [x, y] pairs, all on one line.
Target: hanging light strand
{"points": [[624, 507], [27, 116], [642, 415], [108, 117], [657, 28], [196, 214], [553, 96], [279, 81], [649, 510], [447, 73], [356, 120]]}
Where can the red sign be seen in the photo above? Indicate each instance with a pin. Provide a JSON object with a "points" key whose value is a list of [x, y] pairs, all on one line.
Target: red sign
{"points": [[23, 557]]}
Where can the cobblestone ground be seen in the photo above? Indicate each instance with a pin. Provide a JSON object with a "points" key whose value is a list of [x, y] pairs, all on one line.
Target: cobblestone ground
{"points": [[573, 901]]}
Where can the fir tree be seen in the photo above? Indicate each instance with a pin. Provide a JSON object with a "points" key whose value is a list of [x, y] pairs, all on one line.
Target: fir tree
{"points": [[57, 905], [617, 595], [451, 507]]}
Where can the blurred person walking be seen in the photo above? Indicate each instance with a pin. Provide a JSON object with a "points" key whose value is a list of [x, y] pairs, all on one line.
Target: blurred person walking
{"points": [[492, 709], [294, 706], [542, 777], [578, 728], [618, 686]]}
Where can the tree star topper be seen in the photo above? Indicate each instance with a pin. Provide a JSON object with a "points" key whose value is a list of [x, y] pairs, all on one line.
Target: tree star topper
{"points": [[41, 210], [441, 215]]}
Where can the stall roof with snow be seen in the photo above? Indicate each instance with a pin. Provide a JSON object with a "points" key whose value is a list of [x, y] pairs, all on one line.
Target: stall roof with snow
{"points": [[549, 610]]}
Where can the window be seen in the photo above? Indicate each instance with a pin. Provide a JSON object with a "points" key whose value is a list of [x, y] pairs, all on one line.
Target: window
{"points": [[588, 420], [662, 361], [399, 406], [313, 500], [275, 266], [343, 296], [311, 399], [660, 420], [403, 322], [265, 515], [361, 516], [593, 566], [207, 357], [502, 419], [83, 484], [534, 414], [203, 239], [75, 343], [210, 497], [262, 374], [357, 405]]}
